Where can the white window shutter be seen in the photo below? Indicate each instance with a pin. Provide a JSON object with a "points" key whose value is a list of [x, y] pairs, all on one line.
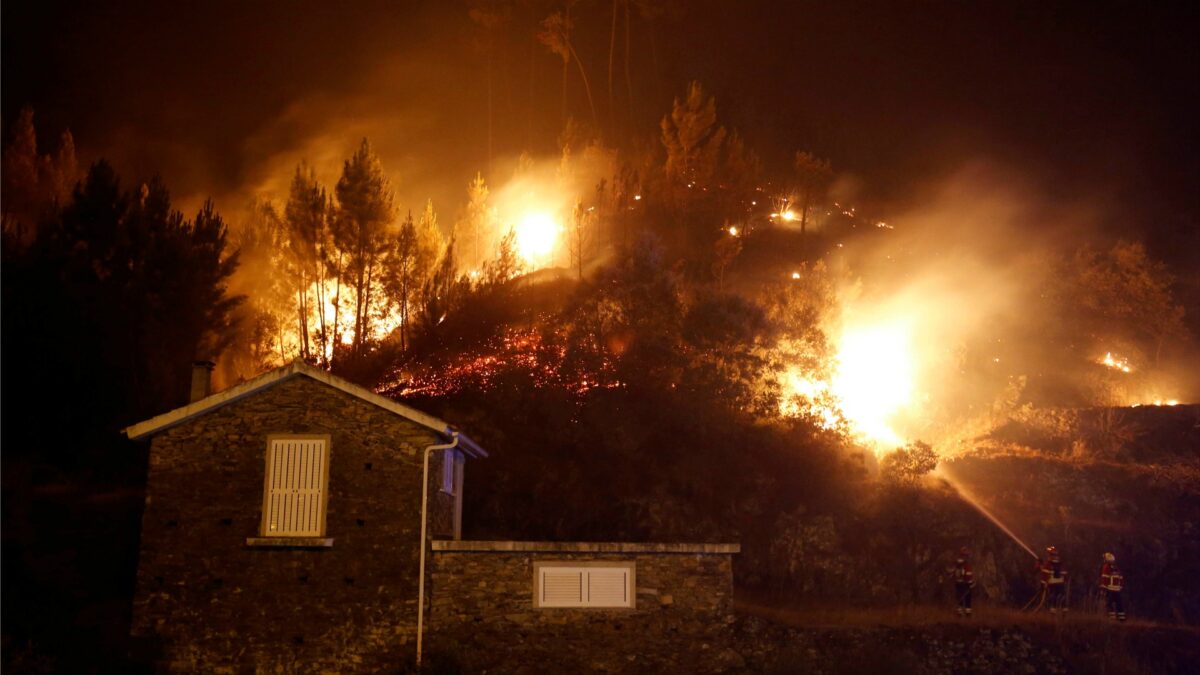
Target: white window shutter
{"points": [[295, 488], [585, 586], [608, 587], [562, 587]]}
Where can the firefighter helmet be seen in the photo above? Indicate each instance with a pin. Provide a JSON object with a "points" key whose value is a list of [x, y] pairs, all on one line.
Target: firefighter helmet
{"points": [[1108, 557], [1050, 550], [964, 552]]}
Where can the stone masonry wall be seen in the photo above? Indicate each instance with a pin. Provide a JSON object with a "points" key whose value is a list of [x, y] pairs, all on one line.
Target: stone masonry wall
{"points": [[211, 603], [482, 615]]}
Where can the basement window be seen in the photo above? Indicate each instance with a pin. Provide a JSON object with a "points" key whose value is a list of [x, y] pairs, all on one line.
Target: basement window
{"points": [[583, 584], [295, 488]]}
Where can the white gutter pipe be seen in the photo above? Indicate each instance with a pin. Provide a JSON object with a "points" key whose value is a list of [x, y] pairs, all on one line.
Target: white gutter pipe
{"points": [[424, 544]]}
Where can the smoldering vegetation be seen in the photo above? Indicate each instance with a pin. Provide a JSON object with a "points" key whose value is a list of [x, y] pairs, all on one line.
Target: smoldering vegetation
{"points": [[648, 324]]}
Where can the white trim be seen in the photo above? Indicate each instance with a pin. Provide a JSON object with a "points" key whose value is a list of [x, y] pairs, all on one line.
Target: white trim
{"points": [[271, 378]]}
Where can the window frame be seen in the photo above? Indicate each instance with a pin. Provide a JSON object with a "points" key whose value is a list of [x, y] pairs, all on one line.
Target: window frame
{"points": [[629, 565], [263, 530]]}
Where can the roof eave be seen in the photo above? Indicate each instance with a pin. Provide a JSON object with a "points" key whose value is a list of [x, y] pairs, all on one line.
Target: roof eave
{"points": [[470, 447], [180, 415]]}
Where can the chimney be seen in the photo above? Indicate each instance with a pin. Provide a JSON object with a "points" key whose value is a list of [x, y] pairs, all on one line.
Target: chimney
{"points": [[201, 380]]}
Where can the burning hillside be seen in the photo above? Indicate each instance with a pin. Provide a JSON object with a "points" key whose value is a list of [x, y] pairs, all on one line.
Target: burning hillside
{"points": [[846, 287]]}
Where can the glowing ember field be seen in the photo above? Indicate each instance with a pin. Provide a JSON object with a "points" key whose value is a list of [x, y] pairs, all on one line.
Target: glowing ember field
{"points": [[517, 350]]}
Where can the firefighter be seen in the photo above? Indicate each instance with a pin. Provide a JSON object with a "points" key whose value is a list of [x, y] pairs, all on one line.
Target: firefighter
{"points": [[964, 581], [1053, 579], [1111, 585]]}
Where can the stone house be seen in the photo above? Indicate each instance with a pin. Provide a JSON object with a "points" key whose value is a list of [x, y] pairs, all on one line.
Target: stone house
{"points": [[287, 528]]}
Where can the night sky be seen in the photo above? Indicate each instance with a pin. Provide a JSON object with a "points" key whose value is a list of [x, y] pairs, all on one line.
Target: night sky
{"points": [[1092, 102]]}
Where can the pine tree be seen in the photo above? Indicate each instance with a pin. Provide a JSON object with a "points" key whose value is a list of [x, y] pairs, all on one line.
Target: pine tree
{"points": [[556, 35], [740, 174], [35, 187], [441, 292], [477, 225], [580, 235], [692, 139], [506, 265], [20, 171], [261, 343], [307, 234], [141, 293], [365, 211], [813, 179], [411, 261]]}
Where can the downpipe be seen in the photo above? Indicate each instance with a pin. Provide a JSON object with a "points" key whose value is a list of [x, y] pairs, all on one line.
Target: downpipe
{"points": [[424, 544]]}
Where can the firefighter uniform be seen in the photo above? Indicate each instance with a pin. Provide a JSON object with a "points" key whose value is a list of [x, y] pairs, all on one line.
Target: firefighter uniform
{"points": [[1112, 582], [1054, 580]]}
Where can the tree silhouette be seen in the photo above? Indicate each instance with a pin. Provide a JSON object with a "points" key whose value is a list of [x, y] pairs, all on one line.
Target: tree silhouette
{"points": [[556, 35], [692, 138], [138, 291], [580, 236], [35, 186], [307, 235], [365, 210], [410, 263], [910, 463], [476, 226], [813, 179]]}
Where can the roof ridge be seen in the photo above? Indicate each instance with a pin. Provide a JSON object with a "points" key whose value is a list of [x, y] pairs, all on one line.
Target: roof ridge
{"points": [[270, 378]]}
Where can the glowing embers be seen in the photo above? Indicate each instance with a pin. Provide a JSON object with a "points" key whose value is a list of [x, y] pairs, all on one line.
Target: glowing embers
{"points": [[873, 382], [1116, 363], [517, 351], [537, 235]]}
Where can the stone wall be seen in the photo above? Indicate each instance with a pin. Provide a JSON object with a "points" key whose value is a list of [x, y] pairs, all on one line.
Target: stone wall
{"points": [[482, 615], [210, 602]]}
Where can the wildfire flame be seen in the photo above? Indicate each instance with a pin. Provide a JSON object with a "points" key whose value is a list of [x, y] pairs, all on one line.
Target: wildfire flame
{"points": [[1158, 402], [874, 381], [537, 235], [1116, 363]]}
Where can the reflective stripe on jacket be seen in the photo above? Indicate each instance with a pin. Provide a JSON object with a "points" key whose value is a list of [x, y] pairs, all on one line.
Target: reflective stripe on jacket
{"points": [[964, 575], [1111, 578]]}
